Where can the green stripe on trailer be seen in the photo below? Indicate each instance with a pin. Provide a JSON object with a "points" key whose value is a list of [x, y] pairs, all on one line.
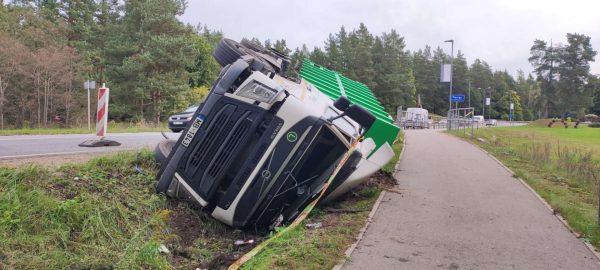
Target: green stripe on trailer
{"points": [[334, 85]]}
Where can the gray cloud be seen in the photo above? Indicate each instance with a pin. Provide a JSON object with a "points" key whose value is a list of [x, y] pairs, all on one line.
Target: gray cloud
{"points": [[499, 32]]}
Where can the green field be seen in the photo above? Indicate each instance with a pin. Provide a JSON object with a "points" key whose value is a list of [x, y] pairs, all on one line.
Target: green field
{"points": [[561, 164]]}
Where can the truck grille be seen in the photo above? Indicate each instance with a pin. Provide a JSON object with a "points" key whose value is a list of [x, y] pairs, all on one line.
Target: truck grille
{"points": [[205, 151], [228, 149], [210, 158]]}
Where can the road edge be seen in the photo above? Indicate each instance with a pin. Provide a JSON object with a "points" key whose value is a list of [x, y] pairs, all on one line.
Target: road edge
{"points": [[540, 198], [351, 249]]}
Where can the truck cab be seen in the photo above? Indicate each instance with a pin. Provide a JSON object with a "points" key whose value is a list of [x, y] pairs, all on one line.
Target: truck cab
{"points": [[262, 145]]}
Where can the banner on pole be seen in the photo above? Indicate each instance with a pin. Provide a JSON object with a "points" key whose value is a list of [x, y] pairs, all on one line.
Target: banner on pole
{"points": [[487, 101], [446, 73], [102, 118], [512, 106]]}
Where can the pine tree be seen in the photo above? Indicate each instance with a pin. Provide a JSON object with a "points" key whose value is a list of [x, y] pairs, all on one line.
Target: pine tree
{"points": [[281, 46], [334, 56], [395, 82], [156, 53], [318, 57], [574, 72], [343, 43], [362, 65]]}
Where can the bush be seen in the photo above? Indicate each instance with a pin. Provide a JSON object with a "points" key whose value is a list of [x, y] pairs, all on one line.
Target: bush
{"points": [[594, 125], [590, 117]]}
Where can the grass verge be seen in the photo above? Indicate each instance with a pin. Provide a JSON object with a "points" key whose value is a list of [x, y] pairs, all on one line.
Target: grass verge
{"points": [[105, 215], [562, 165], [397, 147], [112, 128]]}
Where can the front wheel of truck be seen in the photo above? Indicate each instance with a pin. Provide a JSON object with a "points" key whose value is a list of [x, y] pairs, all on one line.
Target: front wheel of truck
{"points": [[161, 152]]}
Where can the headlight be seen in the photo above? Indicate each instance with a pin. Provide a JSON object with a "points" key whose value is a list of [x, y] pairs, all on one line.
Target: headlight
{"points": [[258, 92]]}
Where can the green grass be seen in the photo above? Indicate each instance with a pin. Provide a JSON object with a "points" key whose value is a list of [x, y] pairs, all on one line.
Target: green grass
{"points": [[111, 218], [397, 147], [112, 128], [303, 248], [562, 165]]}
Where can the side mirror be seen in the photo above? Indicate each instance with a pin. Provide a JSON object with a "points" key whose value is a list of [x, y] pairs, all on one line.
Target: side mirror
{"points": [[342, 103], [361, 116]]}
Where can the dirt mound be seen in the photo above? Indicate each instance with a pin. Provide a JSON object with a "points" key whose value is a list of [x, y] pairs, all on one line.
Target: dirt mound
{"points": [[381, 179], [199, 241]]}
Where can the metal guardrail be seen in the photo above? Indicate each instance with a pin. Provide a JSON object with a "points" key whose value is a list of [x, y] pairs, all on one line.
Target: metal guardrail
{"points": [[461, 118]]}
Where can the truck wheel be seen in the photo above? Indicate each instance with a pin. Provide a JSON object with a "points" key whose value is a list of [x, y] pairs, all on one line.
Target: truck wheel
{"points": [[228, 51], [162, 150], [253, 46]]}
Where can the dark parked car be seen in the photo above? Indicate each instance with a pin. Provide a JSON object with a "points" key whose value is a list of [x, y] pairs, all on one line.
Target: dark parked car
{"points": [[177, 122]]}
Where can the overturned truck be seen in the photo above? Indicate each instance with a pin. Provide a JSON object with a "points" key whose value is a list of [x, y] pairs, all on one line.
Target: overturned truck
{"points": [[262, 145]]}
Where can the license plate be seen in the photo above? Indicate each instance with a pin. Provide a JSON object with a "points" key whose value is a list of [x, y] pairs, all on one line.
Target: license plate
{"points": [[192, 131], [177, 123]]}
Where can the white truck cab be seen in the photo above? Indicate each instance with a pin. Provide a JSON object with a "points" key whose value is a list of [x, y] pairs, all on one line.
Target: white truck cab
{"points": [[262, 146]]}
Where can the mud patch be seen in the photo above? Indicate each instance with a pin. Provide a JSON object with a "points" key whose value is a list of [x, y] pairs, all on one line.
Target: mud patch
{"points": [[381, 179], [199, 241]]}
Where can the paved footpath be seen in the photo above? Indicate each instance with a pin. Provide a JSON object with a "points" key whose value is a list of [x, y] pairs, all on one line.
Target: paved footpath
{"points": [[460, 209]]}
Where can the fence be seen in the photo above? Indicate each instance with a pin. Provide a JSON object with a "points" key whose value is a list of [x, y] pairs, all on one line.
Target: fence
{"points": [[461, 118]]}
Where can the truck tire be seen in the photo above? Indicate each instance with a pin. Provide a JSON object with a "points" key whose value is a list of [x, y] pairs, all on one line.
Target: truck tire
{"points": [[162, 150], [253, 46], [228, 51]]}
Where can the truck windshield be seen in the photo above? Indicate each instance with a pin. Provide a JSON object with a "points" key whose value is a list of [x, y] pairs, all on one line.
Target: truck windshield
{"points": [[342, 123], [324, 150]]}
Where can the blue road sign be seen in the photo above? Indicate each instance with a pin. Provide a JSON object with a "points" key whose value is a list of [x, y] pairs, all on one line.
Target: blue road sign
{"points": [[458, 98], [511, 116]]}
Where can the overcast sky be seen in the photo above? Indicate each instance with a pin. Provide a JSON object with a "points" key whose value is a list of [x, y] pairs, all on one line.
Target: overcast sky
{"points": [[500, 32]]}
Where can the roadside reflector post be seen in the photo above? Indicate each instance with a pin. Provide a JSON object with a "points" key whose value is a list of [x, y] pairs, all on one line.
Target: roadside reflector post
{"points": [[102, 112], [101, 121]]}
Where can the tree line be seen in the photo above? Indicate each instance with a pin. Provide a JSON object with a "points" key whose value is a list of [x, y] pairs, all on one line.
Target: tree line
{"points": [[155, 65], [561, 85]]}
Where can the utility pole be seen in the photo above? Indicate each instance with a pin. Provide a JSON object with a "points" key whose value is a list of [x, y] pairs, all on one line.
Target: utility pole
{"points": [[89, 85], [451, 71], [451, 75], [469, 93]]}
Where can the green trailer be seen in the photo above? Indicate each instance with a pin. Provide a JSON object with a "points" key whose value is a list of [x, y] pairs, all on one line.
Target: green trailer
{"points": [[334, 85]]}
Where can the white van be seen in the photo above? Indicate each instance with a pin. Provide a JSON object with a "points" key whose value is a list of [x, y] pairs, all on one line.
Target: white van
{"points": [[478, 119], [417, 115]]}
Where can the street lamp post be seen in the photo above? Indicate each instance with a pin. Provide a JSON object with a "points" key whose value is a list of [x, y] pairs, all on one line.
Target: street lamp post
{"points": [[490, 110], [483, 107], [510, 108], [89, 85], [469, 93], [451, 75]]}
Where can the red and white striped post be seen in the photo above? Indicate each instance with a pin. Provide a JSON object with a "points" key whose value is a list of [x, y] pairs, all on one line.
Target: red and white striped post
{"points": [[101, 121]]}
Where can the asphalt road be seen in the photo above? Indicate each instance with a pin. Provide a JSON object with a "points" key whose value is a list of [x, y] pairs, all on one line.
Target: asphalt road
{"points": [[28, 146], [460, 209]]}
